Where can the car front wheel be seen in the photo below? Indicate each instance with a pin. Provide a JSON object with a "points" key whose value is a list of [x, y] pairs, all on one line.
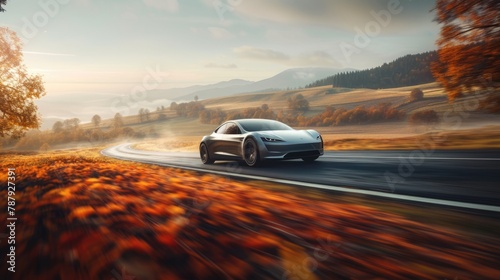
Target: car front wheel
{"points": [[204, 155], [251, 152]]}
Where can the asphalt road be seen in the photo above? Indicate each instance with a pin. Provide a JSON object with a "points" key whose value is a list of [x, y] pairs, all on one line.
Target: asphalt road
{"points": [[469, 177]]}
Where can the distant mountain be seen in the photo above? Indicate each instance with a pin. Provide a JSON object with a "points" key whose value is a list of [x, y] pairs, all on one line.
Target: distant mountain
{"points": [[291, 78], [179, 93], [409, 70], [84, 105]]}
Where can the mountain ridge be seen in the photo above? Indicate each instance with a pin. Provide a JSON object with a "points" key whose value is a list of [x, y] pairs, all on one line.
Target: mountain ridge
{"points": [[289, 78]]}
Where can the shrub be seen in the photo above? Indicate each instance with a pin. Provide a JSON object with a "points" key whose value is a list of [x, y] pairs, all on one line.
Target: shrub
{"points": [[128, 132], [416, 94], [329, 117], [359, 115], [491, 104], [298, 103], [424, 117], [162, 117], [190, 110], [218, 116]]}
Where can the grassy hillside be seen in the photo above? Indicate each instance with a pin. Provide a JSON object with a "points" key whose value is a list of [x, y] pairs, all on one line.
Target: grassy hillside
{"points": [[319, 97]]}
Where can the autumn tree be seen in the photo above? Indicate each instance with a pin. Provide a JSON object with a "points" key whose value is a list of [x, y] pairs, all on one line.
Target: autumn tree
{"points": [[469, 45], [71, 124], [118, 120], [141, 115], [173, 106], [57, 127], [298, 102], [96, 120], [18, 89]]}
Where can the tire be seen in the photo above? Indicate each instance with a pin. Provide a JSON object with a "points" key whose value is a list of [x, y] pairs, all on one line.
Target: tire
{"points": [[251, 152], [205, 155], [310, 159]]}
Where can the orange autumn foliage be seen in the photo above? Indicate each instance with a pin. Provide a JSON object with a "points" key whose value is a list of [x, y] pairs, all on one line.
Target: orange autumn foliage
{"points": [[86, 217], [469, 45]]}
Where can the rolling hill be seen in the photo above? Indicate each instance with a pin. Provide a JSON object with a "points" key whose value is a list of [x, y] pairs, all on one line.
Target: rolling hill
{"points": [[182, 93], [291, 78]]}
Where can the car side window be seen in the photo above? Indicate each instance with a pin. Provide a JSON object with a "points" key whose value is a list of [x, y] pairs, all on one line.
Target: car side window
{"points": [[232, 128], [221, 129]]}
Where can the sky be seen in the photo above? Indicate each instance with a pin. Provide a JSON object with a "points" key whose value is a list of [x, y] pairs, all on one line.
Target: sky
{"points": [[102, 47]]}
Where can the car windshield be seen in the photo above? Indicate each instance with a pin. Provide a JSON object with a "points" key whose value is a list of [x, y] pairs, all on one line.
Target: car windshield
{"points": [[263, 125]]}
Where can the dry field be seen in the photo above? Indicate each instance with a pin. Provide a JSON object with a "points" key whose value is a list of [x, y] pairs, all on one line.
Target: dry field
{"points": [[466, 129], [357, 138], [319, 97], [83, 216], [467, 139]]}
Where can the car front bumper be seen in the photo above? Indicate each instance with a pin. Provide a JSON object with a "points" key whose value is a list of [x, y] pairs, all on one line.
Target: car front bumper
{"points": [[290, 151]]}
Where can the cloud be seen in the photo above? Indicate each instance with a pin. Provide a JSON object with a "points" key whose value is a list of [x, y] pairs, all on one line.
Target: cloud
{"points": [[83, 2], [260, 54], [222, 66], [314, 58], [129, 14], [336, 13], [219, 33], [47, 53], [170, 6], [287, 35]]}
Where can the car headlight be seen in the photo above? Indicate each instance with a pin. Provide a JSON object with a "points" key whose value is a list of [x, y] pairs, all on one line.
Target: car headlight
{"points": [[268, 139]]}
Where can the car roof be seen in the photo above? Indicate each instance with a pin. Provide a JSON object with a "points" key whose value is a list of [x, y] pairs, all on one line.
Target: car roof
{"points": [[251, 121]]}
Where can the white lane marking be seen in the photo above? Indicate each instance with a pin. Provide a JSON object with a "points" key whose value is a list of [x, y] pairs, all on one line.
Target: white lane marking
{"points": [[434, 201], [384, 157], [128, 149]]}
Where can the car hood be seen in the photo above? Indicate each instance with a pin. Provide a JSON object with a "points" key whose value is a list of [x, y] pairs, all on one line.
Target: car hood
{"points": [[291, 135]]}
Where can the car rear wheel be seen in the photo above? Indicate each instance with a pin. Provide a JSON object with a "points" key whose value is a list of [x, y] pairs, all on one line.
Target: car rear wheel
{"points": [[251, 152], [204, 155], [310, 159]]}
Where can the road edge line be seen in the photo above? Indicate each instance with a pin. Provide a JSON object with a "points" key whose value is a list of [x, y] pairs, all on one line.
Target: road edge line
{"points": [[435, 201]]}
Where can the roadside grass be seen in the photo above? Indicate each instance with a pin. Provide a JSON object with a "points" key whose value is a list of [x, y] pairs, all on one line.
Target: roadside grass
{"points": [[85, 216], [466, 139]]}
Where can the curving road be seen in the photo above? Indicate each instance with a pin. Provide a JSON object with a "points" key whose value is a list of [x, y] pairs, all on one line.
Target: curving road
{"points": [[467, 179]]}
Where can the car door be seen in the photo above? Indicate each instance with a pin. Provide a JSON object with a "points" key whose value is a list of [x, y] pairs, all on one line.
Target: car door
{"points": [[233, 139], [217, 145], [228, 140]]}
